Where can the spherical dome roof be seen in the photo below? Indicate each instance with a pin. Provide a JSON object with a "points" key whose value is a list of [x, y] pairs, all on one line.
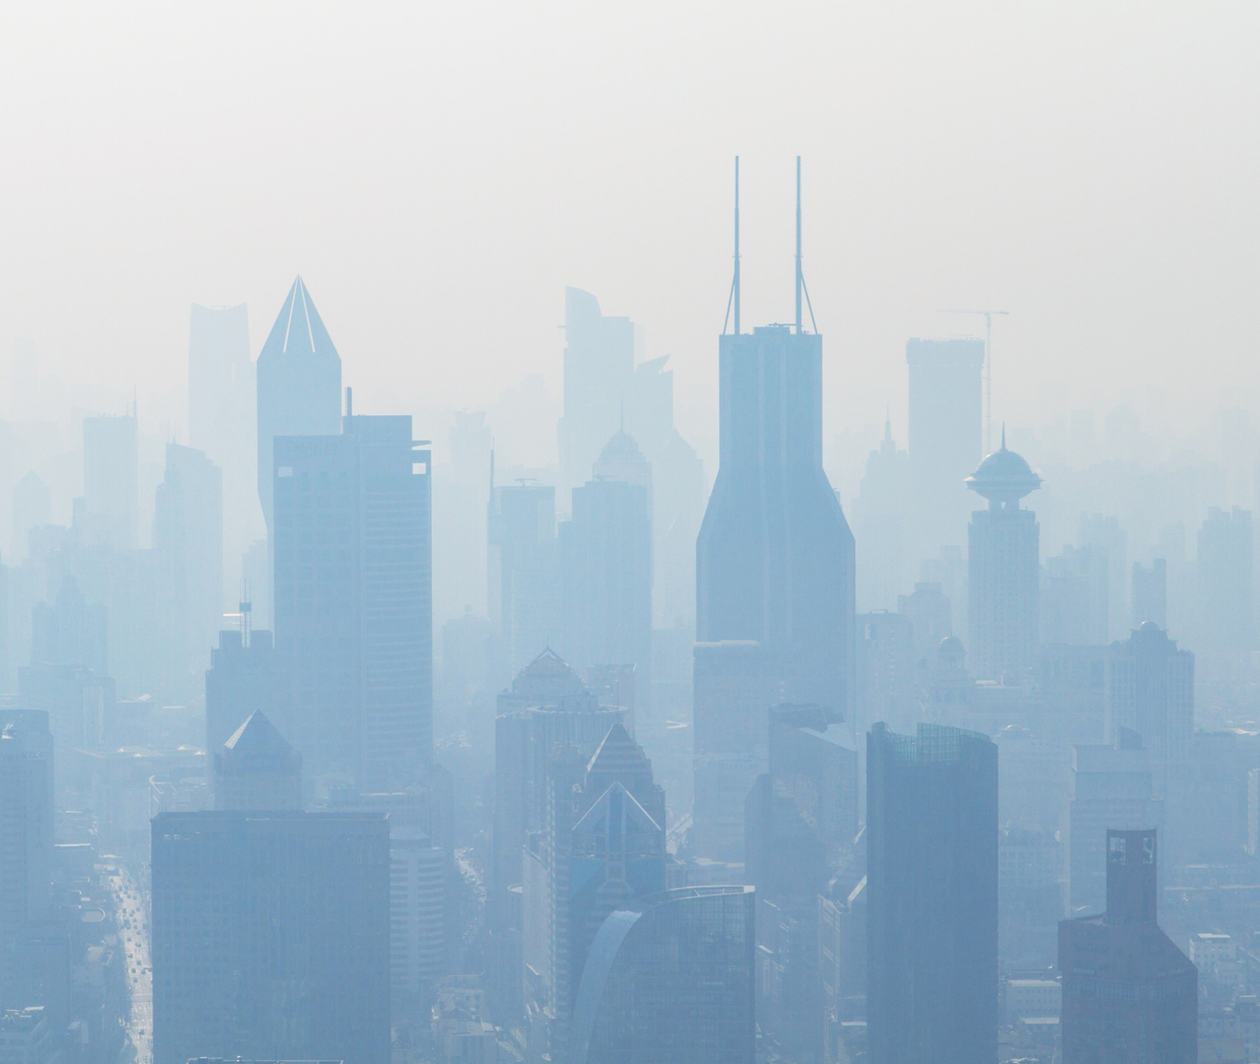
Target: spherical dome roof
{"points": [[1004, 476]]}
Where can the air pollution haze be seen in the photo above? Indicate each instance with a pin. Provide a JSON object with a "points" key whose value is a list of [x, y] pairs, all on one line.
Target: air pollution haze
{"points": [[714, 533]]}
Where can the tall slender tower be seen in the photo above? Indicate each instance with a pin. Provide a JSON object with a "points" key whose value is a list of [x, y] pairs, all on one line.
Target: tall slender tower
{"points": [[774, 559], [299, 385]]}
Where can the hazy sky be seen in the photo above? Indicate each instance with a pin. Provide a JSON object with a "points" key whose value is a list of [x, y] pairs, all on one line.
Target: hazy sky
{"points": [[438, 172]]}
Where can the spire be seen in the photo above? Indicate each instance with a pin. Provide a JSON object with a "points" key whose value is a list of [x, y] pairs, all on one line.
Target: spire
{"points": [[1004, 435], [299, 331], [887, 425]]}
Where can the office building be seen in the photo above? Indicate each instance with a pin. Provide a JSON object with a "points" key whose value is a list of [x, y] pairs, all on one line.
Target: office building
{"points": [[1003, 571], [606, 574], [932, 880], [242, 679], [1128, 993], [945, 416], [270, 936], [298, 383], [111, 471], [669, 980], [882, 516], [26, 819], [774, 559], [353, 600], [257, 769]]}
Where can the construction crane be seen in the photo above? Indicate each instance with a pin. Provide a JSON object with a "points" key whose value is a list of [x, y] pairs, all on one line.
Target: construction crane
{"points": [[988, 316]]}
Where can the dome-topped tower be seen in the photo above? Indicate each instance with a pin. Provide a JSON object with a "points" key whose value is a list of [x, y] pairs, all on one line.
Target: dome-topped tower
{"points": [[1003, 478]]}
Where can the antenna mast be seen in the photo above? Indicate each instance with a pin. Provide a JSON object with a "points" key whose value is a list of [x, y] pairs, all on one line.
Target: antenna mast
{"points": [[798, 244]]}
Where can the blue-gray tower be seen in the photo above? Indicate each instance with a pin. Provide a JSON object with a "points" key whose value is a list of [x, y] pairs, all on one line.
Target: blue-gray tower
{"points": [[299, 384], [774, 559]]}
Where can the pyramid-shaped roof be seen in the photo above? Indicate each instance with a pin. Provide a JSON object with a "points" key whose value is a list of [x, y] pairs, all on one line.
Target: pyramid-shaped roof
{"points": [[299, 330], [257, 737]]}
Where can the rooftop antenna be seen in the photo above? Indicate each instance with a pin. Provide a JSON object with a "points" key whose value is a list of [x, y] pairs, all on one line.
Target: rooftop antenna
{"points": [[733, 299], [800, 271], [246, 608], [988, 316], [349, 401]]}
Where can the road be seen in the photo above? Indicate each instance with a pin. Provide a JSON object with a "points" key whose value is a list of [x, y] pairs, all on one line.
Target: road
{"points": [[132, 914]]}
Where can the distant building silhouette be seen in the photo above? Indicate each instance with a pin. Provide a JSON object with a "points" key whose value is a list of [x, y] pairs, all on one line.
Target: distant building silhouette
{"points": [[598, 374], [1003, 570], [932, 876], [299, 384], [243, 678], [257, 769], [524, 573], [353, 600], [111, 471], [271, 936], [945, 416], [1225, 561], [1150, 593], [1128, 992], [669, 980]]}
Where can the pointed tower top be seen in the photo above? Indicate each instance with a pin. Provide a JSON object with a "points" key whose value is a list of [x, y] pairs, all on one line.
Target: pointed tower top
{"points": [[1004, 435], [299, 330]]}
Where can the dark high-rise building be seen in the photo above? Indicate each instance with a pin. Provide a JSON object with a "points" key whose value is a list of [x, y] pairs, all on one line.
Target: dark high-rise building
{"points": [[257, 769], [932, 877], [1003, 570], [1129, 994], [669, 980], [26, 819], [111, 472], [945, 432], [353, 600], [774, 559], [598, 373], [299, 385], [271, 936], [242, 679]]}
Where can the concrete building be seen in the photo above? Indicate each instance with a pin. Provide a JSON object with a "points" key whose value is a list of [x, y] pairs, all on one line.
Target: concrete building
{"points": [[1128, 993], [271, 936], [669, 980], [1003, 571], [932, 880], [353, 600], [257, 769]]}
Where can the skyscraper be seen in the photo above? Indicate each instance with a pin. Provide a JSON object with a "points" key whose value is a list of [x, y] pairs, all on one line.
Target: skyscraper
{"points": [[774, 559], [257, 769], [271, 936], [353, 600], [1128, 992], [932, 835], [299, 384], [1003, 570], [1225, 560], [523, 579], [598, 373], [669, 980], [606, 575], [243, 678], [26, 819], [945, 432]]}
